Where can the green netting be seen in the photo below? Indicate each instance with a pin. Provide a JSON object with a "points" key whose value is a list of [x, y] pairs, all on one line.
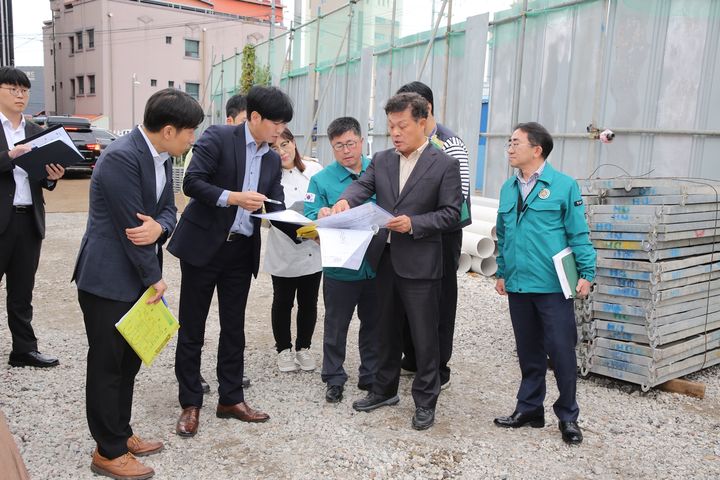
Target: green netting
{"points": [[320, 42]]}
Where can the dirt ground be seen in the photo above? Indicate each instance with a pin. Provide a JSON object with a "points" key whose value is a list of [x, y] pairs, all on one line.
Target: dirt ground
{"points": [[71, 196]]}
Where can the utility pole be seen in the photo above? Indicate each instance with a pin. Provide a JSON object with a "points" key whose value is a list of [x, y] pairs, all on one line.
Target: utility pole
{"points": [[272, 35], [54, 55]]}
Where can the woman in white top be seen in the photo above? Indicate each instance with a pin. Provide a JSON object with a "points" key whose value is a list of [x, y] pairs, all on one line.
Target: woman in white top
{"points": [[295, 268]]}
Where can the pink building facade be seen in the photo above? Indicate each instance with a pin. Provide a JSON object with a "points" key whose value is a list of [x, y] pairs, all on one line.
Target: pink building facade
{"points": [[104, 58]]}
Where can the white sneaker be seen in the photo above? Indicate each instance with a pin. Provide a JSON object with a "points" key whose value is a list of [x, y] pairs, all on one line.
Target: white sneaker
{"points": [[305, 359], [286, 361]]}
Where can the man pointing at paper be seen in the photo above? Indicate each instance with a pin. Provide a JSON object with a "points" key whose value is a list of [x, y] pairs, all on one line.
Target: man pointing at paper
{"points": [[541, 213]]}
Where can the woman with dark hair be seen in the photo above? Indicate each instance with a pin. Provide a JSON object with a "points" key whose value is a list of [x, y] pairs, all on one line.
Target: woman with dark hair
{"points": [[295, 268]]}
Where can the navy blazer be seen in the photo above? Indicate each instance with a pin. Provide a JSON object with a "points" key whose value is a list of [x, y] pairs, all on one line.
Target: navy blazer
{"points": [[7, 185], [431, 198], [218, 164], [122, 185]]}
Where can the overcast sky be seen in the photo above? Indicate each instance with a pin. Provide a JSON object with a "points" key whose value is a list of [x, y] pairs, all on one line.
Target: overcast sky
{"points": [[28, 17]]}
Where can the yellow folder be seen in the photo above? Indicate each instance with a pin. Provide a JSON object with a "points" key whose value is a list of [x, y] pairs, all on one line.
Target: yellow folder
{"points": [[148, 328]]}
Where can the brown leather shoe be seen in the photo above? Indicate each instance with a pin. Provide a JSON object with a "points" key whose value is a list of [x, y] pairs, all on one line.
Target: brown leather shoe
{"points": [[142, 448], [241, 411], [188, 422], [124, 467]]}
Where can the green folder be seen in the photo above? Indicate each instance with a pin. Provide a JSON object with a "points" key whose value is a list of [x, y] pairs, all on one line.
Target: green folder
{"points": [[567, 272]]}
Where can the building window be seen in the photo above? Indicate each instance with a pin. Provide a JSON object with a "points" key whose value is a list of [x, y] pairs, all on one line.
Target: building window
{"points": [[192, 48], [91, 84], [168, 40], [193, 89], [78, 37], [72, 45], [153, 82], [72, 87], [171, 84], [91, 38], [81, 85]]}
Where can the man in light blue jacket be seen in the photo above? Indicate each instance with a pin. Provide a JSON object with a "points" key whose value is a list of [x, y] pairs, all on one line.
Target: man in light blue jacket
{"points": [[541, 213]]}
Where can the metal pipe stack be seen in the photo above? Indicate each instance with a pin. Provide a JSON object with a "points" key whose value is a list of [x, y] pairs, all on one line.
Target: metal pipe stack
{"points": [[654, 313]]}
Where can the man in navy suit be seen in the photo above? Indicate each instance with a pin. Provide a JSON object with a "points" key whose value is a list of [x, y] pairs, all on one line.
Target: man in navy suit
{"points": [[132, 213], [232, 174], [22, 219]]}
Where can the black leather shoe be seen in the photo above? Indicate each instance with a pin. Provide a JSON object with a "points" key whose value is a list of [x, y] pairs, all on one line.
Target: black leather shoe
{"points": [[246, 382], [423, 418], [535, 418], [32, 359], [373, 401], [334, 393], [364, 386], [571, 433], [204, 385]]}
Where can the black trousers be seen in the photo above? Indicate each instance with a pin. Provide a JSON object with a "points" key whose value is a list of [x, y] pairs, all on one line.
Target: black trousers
{"points": [[284, 290], [230, 272], [111, 369], [19, 258], [544, 326], [419, 301], [451, 246], [341, 297]]}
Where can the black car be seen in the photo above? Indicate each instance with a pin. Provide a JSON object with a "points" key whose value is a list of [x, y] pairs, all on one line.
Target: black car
{"points": [[104, 137], [87, 143]]}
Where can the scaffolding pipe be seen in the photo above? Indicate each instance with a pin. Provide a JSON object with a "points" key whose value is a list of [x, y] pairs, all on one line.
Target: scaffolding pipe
{"points": [[325, 90], [351, 8], [447, 61], [430, 41]]}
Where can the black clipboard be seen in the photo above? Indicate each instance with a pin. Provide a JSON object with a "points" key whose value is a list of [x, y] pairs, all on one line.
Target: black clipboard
{"points": [[58, 152]]}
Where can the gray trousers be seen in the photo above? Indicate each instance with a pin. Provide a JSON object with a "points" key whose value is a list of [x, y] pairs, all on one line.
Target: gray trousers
{"points": [[341, 298]]}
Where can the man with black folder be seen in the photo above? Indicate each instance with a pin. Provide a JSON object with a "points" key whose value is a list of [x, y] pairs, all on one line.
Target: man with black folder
{"points": [[132, 213], [541, 213], [22, 219]]}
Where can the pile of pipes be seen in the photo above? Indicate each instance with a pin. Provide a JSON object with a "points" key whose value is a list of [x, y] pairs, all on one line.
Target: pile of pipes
{"points": [[479, 245], [654, 313]]}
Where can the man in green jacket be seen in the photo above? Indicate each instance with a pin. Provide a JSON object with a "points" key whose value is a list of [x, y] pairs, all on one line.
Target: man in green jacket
{"points": [[344, 289], [541, 213]]}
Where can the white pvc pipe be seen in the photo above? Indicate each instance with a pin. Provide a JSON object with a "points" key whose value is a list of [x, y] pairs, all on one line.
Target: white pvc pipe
{"points": [[464, 262], [485, 201], [484, 266], [485, 229], [477, 245], [484, 214]]}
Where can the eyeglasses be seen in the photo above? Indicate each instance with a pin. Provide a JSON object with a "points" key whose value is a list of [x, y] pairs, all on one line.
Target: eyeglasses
{"points": [[515, 145], [18, 92], [339, 147]]}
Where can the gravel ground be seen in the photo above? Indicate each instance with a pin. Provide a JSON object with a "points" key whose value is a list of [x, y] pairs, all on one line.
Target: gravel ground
{"points": [[627, 433]]}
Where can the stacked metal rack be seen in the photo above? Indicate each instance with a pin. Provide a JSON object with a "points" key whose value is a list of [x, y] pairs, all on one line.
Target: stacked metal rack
{"points": [[654, 313]]}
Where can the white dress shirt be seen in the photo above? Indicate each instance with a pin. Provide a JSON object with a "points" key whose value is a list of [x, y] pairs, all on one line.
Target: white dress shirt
{"points": [[159, 159], [23, 196]]}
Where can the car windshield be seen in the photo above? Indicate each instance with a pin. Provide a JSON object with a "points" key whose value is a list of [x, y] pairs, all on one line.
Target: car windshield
{"points": [[82, 137], [104, 134]]}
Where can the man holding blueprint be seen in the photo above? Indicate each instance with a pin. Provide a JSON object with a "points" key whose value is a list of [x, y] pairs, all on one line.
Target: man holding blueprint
{"points": [[22, 218], [420, 186], [344, 289]]}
